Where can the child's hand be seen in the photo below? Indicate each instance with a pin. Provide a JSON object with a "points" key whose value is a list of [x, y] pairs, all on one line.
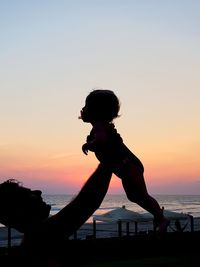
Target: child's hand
{"points": [[85, 148]]}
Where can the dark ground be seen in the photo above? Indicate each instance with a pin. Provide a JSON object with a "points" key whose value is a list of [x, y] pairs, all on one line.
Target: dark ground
{"points": [[173, 249]]}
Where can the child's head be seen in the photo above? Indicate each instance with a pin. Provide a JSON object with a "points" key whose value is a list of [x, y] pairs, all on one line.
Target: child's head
{"points": [[101, 105]]}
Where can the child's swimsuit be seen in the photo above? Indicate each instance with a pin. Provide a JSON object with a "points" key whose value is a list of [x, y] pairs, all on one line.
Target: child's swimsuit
{"points": [[114, 151]]}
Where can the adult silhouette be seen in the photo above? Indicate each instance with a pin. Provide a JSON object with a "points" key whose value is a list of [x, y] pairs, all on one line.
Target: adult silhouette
{"points": [[46, 236]]}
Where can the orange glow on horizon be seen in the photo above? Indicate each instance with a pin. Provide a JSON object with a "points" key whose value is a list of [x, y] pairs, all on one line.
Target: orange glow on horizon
{"points": [[68, 171]]}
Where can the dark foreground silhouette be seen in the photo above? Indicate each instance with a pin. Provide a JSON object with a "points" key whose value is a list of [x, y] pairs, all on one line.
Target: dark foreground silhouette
{"points": [[45, 240], [140, 247]]}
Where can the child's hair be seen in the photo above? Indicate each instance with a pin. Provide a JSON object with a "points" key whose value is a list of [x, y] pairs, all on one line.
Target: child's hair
{"points": [[104, 104], [9, 199]]}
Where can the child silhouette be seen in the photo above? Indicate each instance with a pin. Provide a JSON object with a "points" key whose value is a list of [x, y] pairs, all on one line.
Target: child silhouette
{"points": [[101, 108]]}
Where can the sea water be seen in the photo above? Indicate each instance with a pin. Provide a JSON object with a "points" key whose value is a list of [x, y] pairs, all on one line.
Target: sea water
{"points": [[189, 204]]}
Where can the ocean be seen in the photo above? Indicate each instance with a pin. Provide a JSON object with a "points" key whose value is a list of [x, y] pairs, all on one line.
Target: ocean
{"points": [[189, 204]]}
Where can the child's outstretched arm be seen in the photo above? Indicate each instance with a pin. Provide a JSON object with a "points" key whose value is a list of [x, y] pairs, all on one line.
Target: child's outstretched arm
{"points": [[96, 139]]}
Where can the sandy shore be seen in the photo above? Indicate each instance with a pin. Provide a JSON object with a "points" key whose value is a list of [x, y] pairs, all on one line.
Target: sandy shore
{"points": [[103, 230]]}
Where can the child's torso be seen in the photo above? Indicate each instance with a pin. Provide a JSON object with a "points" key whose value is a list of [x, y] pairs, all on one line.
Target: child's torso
{"points": [[113, 150]]}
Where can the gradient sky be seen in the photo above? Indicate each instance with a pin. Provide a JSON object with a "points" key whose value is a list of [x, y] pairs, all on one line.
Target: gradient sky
{"points": [[53, 53]]}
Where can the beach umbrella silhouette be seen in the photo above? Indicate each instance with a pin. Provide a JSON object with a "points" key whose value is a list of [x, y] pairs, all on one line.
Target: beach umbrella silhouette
{"points": [[174, 216], [168, 214], [120, 215]]}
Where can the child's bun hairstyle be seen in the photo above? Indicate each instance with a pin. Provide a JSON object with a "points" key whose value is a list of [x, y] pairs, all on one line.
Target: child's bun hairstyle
{"points": [[104, 104]]}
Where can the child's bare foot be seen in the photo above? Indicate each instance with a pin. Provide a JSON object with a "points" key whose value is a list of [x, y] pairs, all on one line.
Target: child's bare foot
{"points": [[162, 225]]}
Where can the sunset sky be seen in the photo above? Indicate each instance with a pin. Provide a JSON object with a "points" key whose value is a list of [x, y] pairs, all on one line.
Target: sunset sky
{"points": [[53, 53]]}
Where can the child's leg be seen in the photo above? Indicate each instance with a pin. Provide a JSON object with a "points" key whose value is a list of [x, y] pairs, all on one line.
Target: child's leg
{"points": [[136, 191]]}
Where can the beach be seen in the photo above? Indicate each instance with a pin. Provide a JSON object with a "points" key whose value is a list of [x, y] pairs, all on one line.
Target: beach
{"points": [[105, 247], [179, 203], [104, 230]]}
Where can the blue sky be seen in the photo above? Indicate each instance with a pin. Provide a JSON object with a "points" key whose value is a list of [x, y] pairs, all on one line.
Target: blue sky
{"points": [[52, 53]]}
